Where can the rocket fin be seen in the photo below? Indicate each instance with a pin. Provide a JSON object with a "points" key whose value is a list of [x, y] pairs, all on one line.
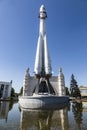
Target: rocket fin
{"points": [[47, 61], [38, 59]]}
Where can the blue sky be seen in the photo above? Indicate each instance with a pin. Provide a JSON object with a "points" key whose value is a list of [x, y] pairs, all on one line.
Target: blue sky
{"points": [[66, 28]]}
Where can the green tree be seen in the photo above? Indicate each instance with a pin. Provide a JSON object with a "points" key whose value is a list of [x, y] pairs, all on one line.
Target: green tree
{"points": [[21, 91], [67, 91], [74, 90], [12, 92]]}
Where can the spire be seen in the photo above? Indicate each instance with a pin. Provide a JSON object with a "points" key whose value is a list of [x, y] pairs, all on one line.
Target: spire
{"points": [[26, 82], [27, 72], [61, 83], [60, 70]]}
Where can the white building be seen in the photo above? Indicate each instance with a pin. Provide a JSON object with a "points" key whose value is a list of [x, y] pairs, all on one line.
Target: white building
{"points": [[83, 91], [57, 82], [5, 89]]}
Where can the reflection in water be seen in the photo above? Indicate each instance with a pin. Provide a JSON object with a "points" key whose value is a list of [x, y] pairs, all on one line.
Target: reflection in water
{"points": [[44, 119], [64, 119], [11, 105], [60, 119], [4, 109], [77, 111]]}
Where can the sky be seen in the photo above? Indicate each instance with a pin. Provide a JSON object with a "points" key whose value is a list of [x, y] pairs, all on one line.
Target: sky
{"points": [[66, 30]]}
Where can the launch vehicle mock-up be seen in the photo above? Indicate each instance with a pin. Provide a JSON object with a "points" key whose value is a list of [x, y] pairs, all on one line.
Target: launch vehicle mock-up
{"points": [[42, 61]]}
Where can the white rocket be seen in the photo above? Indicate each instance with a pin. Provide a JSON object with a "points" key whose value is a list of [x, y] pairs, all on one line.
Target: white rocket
{"points": [[42, 62]]}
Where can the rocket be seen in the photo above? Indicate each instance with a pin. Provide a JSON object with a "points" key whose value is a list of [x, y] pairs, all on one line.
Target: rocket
{"points": [[42, 66]]}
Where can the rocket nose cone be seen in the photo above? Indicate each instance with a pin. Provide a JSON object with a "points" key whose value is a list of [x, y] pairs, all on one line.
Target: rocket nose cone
{"points": [[42, 13], [42, 8]]}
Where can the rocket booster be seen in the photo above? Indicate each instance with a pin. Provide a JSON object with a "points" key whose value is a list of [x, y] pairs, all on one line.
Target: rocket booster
{"points": [[42, 62]]}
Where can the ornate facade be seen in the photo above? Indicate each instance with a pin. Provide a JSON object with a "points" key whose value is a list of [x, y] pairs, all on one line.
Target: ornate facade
{"points": [[57, 82], [5, 89]]}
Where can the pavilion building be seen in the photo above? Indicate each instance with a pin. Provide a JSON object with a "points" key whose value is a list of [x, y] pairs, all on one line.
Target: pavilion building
{"points": [[5, 89]]}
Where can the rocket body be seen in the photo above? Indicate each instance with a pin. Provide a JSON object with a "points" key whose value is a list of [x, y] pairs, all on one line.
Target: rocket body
{"points": [[42, 62]]}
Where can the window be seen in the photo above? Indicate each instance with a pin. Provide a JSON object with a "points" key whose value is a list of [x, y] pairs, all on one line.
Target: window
{"points": [[2, 86]]}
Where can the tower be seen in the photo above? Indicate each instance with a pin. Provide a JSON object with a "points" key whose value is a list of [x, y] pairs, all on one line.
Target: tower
{"points": [[26, 83], [61, 83]]}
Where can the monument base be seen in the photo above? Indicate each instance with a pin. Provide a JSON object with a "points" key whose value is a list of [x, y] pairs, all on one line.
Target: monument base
{"points": [[42, 101]]}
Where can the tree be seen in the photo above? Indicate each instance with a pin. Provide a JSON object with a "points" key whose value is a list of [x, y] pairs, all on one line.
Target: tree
{"points": [[21, 91], [77, 111], [12, 92], [75, 92], [67, 91]]}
